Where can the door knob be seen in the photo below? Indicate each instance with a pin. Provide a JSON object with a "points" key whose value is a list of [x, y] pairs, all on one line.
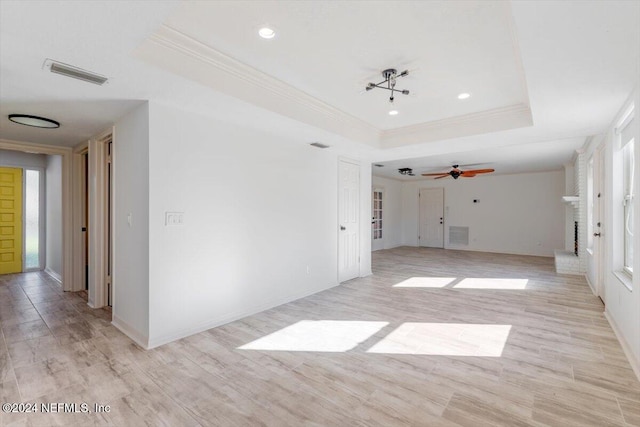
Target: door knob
{"points": [[596, 234], [342, 227]]}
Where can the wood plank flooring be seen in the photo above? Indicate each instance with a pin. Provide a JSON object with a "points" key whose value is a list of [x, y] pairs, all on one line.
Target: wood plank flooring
{"points": [[433, 338]]}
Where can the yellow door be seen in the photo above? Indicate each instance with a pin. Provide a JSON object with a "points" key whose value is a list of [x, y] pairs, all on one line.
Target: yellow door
{"points": [[10, 220]]}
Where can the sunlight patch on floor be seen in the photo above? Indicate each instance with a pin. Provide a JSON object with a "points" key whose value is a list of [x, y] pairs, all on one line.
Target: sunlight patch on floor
{"points": [[425, 282], [445, 339], [492, 283], [318, 335]]}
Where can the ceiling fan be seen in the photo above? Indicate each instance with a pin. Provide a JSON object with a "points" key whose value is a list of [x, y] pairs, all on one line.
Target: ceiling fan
{"points": [[456, 173]]}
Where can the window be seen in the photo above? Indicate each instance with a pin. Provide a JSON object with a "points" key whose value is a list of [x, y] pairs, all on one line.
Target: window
{"points": [[32, 220], [627, 146]]}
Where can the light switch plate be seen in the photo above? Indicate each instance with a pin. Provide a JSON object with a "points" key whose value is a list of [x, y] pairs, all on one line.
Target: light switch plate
{"points": [[174, 218]]}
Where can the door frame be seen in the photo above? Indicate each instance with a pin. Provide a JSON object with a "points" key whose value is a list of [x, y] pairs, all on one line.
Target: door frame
{"points": [[97, 290], [68, 282]]}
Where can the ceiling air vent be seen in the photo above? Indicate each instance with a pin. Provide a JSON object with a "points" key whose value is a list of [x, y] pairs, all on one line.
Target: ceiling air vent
{"points": [[319, 145], [75, 72]]}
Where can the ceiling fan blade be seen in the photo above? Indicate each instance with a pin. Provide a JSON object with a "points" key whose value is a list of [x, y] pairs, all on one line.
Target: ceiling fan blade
{"points": [[435, 174], [468, 175], [440, 177], [475, 171]]}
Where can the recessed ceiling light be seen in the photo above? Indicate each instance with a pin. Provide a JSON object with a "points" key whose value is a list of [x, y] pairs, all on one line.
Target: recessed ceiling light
{"points": [[266, 33], [393, 112], [34, 121], [464, 95]]}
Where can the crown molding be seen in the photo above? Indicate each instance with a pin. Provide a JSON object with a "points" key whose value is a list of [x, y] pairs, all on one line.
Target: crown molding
{"points": [[514, 116], [173, 50], [183, 55]]}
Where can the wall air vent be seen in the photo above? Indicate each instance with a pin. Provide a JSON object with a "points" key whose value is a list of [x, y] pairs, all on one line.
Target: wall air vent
{"points": [[74, 72], [319, 145], [458, 235]]}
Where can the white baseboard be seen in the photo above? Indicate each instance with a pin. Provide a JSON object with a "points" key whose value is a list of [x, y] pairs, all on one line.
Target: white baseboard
{"points": [[593, 289], [214, 323], [55, 276], [129, 331], [635, 363]]}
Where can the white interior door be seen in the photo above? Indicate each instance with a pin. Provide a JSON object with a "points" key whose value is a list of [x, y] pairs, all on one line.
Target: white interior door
{"points": [[431, 229], [377, 235], [348, 221]]}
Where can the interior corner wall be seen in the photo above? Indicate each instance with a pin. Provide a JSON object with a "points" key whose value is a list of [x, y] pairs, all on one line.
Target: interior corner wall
{"points": [[53, 191], [131, 224], [516, 214], [391, 210], [260, 221]]}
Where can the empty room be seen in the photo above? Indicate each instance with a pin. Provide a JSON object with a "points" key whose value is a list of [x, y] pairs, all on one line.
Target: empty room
{"points": [[319, 213]]}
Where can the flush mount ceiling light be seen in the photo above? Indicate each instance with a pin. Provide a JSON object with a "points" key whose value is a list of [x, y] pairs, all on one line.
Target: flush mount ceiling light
{"points": [[464, 95], [393, 112], [389, 83], [34, 121], [267, 33]]}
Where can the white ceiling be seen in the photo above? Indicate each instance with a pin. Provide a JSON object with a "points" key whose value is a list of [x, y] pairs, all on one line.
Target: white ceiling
{"points": [[573, 63]]}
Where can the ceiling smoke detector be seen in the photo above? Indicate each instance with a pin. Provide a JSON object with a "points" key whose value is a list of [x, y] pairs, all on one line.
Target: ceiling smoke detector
{"points": [[74, 72], [390, 76]]}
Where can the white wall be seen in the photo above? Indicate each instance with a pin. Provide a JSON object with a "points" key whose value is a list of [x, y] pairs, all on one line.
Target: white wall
{"points": [[622, 304], [260, 222], [19, 159], [392, 210], [517, 214], [131, 241], [53, 227]]}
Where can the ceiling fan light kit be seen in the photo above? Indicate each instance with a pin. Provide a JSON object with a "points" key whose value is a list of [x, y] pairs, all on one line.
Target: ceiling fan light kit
{"points": [[456, 173]]}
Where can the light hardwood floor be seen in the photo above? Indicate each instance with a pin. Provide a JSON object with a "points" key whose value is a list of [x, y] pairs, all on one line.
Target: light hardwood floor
{"points": [[433, 338]]}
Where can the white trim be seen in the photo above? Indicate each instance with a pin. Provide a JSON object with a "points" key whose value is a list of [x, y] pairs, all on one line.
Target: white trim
{"points": [[53, 275], [165, 339], [67, 201], [131, 332], [626, 118], [186, 56], [179, 53], [511, 117], [593, 289], [635, 364], [78, 265], [97, 218], [625, 279]]}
